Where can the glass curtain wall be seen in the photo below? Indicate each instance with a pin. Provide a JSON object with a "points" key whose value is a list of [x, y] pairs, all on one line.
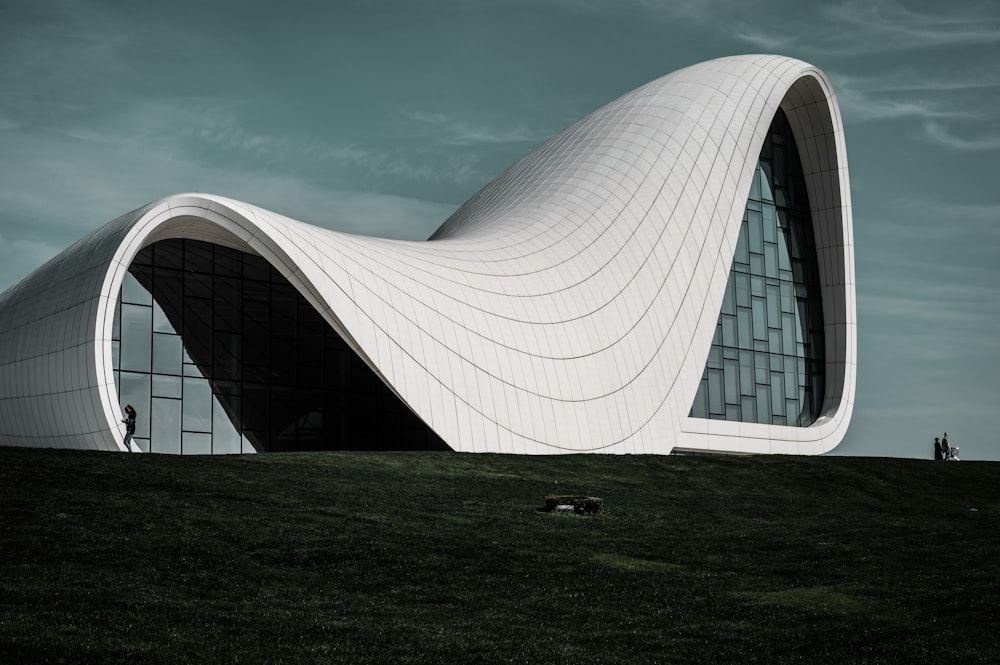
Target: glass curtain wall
{"points": [[767, 360], [220, 354]]}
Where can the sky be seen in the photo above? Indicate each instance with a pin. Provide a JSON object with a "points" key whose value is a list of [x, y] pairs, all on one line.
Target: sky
{"points": [[382, 117]]}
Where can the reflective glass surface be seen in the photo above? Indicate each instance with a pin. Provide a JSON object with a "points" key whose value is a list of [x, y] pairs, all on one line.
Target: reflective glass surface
{"points": [[766, 363], [219, 354]]}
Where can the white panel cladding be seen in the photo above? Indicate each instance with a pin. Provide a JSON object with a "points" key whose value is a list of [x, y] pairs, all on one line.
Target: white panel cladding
{"points": [[567, 307]]}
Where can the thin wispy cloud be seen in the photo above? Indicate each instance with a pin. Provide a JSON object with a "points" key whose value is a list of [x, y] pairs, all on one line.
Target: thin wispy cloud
{"points": [[929, 407], [932, 221], [853, 28], [938, 133], [215, 128], [908, 80], [766, 40], [926, 300], [889, 25], [894, 96], [930, 327], [450, 131], [220, 128], [669, 9]]}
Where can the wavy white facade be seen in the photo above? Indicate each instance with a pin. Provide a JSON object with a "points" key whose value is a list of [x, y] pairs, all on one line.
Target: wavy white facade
{"points": [[567, 307]]}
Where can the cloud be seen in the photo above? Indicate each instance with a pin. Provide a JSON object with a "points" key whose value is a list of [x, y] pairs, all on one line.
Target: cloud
{"points": [[89, 182], [963, 218], [927, 339], [882, 25], [937, 133], [213, 127], [929, 407], [931, 221], [699, 10], [457, 133], [855, 27], [764, 39], [898, 95], [932, 311]]}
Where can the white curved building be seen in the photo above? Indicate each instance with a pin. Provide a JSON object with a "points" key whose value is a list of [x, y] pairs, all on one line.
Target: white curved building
{"points": [[672, 272]]}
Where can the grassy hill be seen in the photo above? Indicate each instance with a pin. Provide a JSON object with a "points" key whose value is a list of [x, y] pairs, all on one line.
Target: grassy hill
{"points": [[447, 558]]}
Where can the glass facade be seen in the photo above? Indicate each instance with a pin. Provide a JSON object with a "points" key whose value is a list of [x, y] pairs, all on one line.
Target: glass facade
{"points": [[220, 354], [767, 360]]}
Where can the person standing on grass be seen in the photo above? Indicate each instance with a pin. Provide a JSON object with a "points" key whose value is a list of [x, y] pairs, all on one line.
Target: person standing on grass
{"points": [[937, 448], [129, 421], [945, 447]]}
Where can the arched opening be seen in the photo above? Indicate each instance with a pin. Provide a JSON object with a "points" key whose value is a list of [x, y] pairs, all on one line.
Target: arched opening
{"points": [[220, 354], [767, 362]]}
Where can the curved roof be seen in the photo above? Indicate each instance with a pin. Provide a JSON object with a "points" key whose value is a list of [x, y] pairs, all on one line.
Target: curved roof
{"points": [[568, 306]]}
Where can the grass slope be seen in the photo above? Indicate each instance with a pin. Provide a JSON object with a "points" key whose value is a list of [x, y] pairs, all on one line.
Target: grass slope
{"points": [[446, 558]]}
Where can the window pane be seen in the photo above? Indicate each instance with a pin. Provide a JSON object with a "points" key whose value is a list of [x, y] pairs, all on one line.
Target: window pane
{"points": [[784, 260], [166, 386], [765, 182], [747, 374], [762, 367], [788, 327], [137, 330], [742, 283], [791, 383], [700, 407], [197, 443], [773, 307], [134, 292], [729, 298], [166, 354], [732, 382], [197, 405], [755, 232], [777, 394], [161, 323], [770, 224], [715, 391], [225, 437], [729, 331], [169, 254], [744, 327], [165, 420], [197, 256], [759, 318], [792, 411], [771, 260], [763, 404]]}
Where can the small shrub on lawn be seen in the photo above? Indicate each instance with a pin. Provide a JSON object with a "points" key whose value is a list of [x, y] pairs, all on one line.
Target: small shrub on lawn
{"points": [[582, 505]]}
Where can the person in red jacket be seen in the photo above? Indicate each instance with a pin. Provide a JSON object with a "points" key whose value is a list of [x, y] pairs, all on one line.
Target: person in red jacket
{"points": [[129, 421]]}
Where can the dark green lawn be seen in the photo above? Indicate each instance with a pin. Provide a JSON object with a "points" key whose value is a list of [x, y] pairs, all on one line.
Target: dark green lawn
{"points": [[446, 558]]}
